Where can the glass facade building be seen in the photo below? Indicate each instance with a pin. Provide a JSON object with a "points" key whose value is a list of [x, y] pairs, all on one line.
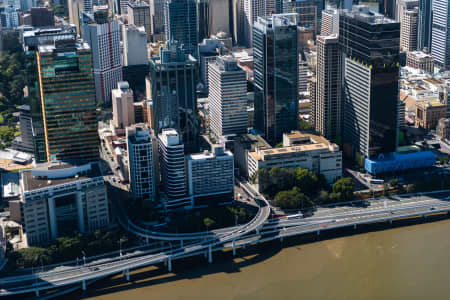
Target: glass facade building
{"points": [[424, 25], [309, 12], [173, 79], [276, 75], [68, 101], [440, 40], [370, 44], [181, 24]]}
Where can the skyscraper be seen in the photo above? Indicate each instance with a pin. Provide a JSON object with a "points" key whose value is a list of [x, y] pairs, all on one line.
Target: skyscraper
{"points": [[408, 29], [139, 15], [104, 40], [440, 39], [157, 15], [140, 162], [424, 25], [134, 45], [172, 166], [181, 24], [213, 17], [75, 9], [276, 75], [330, 22], [68, 100], [370, 81], [328, 106], [227, 97], [173, 78], [252, 10]]}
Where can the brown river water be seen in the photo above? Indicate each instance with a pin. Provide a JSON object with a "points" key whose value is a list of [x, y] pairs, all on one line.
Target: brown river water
{"points": [[408, 262]]}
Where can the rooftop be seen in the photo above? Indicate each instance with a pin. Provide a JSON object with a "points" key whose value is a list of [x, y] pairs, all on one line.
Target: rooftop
{"points": [[56, 173], [363, 13]]}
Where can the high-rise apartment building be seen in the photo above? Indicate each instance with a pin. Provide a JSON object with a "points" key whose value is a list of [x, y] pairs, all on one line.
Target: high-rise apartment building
{"points": [[440, 39], [309, 12], [172, 166], [424, 27], [227, 97], [139, 15], [276, 75], [173, 79], [122, 105], [370, 81], [328, 104], [408, 29], [330, 22], [104, 40], [181, 24], [140, 162], [68, 100]]}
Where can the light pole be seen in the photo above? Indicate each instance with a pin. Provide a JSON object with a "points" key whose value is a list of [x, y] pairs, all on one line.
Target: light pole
{"points": [[84, 257]]}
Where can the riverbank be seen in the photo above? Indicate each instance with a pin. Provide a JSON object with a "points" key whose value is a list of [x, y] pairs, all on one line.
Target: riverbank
{"points": [[405, 262]]}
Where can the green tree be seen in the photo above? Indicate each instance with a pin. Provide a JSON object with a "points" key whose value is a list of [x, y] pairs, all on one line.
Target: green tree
{"points": [[307, 181], [292, 199], [208, 222], [343, 188], [31, 257]]}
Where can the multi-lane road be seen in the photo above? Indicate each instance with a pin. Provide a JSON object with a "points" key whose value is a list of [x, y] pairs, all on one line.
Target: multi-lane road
{"points": [[259, 229]]}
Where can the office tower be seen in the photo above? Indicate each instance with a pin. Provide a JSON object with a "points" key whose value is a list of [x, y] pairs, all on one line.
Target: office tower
{"points": [[172, 166], [424, 27], [140, 162], [328, 111], [134, 45], [408, 29], [213, 17], [122, 105], [208, 50], [173, 85], [440, 39], [370, 81], [238, 21], [276, 75], [139, 15], [404, 5], [88, 6], [181, 24], [120, 7], [75, 9], [26, 5], [68, 100], [157, 15], [309, 12], [25, 142], [104, 40], [227, 97], [59, 198], [41, 17], [211, 173], [9, 17], [330, 22], [252, 10], [302, 75], [389, 8]]}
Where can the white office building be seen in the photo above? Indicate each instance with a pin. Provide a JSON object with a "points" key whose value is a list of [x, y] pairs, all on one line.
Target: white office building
{"points": [[140, 162], [58, 199], [123, 105], [330, 22], [135, 50], [211, 173], [227, 97]]}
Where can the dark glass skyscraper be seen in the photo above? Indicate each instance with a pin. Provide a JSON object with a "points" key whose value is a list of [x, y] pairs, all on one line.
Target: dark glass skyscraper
{"points": [[181, 24], [173, 78], [370, 44], [309, 12], [276, 75], [424, 25], [68, 101]]}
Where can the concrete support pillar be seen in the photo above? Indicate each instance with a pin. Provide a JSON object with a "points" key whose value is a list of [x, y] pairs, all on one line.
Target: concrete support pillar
{"points": [[257, 230], [210, 254], [390, 221], [169, 264], [52, 216], [80, 211], [146, 240], [181, 243], [243, 246], [165, 263], [318, 232], [37, 293], [281, 239], [83, 285], [354, 226], [127, 275], [425, 216], [234, 247]]}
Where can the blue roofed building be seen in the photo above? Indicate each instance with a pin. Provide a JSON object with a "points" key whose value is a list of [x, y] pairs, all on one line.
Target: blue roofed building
{"points": [[399, 162]]}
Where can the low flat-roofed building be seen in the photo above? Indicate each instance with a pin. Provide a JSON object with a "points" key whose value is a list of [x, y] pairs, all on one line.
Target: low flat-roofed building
{"points": [[302, 150], [428, 113], [421, 61], [243, 144], [58, 199]]}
